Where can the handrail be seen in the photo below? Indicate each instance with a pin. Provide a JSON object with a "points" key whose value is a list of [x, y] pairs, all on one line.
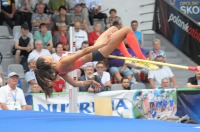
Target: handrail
{"points": [[146, 13], [147, 4], [146, 21], [145, 30]]}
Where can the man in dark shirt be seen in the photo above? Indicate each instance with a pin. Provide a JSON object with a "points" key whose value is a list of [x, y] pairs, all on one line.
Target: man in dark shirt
{"points": [[8, 13], [194, 82]]}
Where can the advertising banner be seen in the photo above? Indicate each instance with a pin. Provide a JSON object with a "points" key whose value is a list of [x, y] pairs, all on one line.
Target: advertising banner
{"points": [[189, 7], [179, 29], [145, 103]]}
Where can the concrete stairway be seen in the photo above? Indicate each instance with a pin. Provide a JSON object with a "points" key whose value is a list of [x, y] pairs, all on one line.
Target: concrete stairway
{"points": [[174, 56]]}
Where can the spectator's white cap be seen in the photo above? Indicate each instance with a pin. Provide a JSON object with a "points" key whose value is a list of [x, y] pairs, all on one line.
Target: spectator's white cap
{"points": [[12, 74], [29, 59]]}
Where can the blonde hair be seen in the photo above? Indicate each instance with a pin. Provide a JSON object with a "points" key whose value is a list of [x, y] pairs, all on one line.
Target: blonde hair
{"points": [[156, 40]]}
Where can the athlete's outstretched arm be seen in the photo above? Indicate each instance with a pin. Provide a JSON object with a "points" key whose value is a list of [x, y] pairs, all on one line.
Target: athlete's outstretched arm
{"points": [[78, 83]]}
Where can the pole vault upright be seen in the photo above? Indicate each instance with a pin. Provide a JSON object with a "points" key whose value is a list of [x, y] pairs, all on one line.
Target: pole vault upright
{"points": [[73, 74]]}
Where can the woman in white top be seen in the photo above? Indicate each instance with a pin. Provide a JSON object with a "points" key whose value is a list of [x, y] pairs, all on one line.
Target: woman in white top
{"points": [[59, 52]]}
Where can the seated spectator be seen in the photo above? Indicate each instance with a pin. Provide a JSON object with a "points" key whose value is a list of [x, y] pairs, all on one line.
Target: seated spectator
{"points": [[39, 17], [8, 13], [35, 88], [38, 51], [79, 35], [62, 37], [23, 43], [194, 82], [93, 36], [85, 44], [118, 67], [59, 52], [59, 84], [46, 9], [125, 83], [30, 75], [156, 51], [165, 83], [2, 81], [155, 76], [62, 17], [89, 75], [116, 24], [138, 34], [25, 11], [113, 18], [94, 8], [55, 4], [77, 16], [45, 36], [105, 76], [12, 97], [138, 71]]}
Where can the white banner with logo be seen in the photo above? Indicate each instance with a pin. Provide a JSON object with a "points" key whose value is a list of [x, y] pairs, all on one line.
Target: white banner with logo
{"points": [[126, 103]]}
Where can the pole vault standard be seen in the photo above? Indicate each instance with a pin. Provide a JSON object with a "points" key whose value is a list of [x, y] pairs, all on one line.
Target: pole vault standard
{"points": [[73, 74]]}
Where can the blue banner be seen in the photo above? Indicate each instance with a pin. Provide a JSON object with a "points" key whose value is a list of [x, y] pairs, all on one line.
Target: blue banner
{"points": [[188, 103], [189, 7]]}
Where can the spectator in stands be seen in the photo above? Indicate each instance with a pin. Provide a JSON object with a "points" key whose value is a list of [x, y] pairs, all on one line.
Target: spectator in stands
{"points": [[93, 36], [138, 34], [155, 76], [39, 17], [2, 81], [125, 83], [194, 82], [35, 88], [62, 37], [25, 11], [118, 67], [156, 51], [45, 36], [8, 13], [62, 17], [79, 35], [137, 70], [12, 97], [30, 75], [78, 16], [165, 83], [59, 84], [116, 24], [113, 18], [105, 76], [59, 52], [94, 8], [23, 43], [38, 51], [85, 44], [55, 4], [89, 75], [46, 9]]}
